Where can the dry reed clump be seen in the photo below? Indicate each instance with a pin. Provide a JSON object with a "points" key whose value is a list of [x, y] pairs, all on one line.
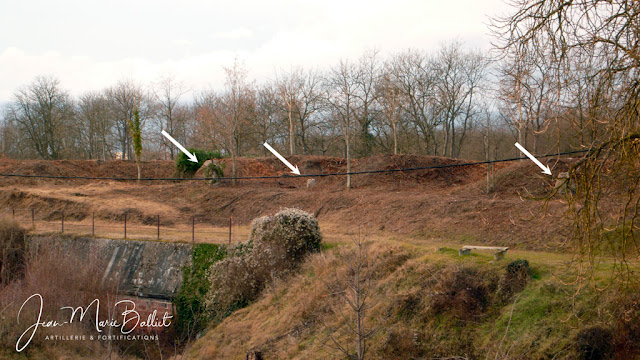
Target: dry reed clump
{"points": [[62, 280], [462, 292], [13, 248], [276, 246], [402, 343]]}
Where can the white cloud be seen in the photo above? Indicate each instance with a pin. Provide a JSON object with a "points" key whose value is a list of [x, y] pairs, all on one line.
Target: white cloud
{"points": [[237, 33], [194, 40], [183, 42]]}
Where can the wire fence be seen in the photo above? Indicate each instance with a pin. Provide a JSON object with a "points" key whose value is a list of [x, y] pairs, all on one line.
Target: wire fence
{"points": [[197, 229]]}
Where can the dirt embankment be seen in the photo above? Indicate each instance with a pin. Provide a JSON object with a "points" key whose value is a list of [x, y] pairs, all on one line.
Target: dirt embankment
{"points": [[445, 202], [93, 168]]}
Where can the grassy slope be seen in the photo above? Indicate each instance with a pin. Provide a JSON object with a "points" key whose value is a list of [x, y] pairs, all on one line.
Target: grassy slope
{"points": [[297, 318]]}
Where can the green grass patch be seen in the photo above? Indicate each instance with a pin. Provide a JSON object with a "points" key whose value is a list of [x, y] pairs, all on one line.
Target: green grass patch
{"points": [[327, 245], [537, 323]]}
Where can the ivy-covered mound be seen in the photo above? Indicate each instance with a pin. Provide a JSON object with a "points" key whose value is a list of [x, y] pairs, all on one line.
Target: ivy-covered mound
{"points": [[191, 313], [187, 168]]}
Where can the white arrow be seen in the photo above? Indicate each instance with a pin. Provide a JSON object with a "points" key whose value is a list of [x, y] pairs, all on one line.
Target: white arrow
{"points": [[191, 156], [293, 169], [545, 169]]}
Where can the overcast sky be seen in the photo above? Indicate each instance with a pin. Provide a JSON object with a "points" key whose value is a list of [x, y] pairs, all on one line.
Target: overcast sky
{"points": [[90, 45]]}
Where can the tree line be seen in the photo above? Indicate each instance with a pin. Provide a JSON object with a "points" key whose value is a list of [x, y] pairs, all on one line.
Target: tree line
{"points": [[453, 102]]}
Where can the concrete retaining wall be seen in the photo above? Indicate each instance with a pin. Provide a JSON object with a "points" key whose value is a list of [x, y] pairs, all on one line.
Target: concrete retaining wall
{"points": [[146, 269]]}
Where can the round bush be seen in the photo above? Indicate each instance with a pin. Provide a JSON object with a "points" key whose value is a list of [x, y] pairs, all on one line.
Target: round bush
{"points": [[276, 247], [519, 268], [293, 231]]}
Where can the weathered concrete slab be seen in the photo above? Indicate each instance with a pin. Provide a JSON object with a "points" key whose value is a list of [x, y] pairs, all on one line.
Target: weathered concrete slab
{"points": [[141, 268]]}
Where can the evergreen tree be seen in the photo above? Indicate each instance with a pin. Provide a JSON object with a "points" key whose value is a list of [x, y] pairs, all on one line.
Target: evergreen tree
{"points": [[136, 136]]}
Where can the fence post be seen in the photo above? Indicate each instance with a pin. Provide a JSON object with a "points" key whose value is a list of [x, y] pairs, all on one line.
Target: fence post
{"points": [[93, 224], [125, 226], [33, 218], [158, 227], [193, 229], [62, 228], [230, 221]]}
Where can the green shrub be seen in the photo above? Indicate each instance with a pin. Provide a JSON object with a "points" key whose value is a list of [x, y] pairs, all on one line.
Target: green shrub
{"points": [[13, 248], [276, 246], [214, 171], [189, 302], [187, 168], [136, 136]]}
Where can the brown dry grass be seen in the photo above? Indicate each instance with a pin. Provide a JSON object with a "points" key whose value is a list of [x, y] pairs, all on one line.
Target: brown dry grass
{"points": [[61, 280], [404, 215], [426, 304], [427, 204], [13, 249]]}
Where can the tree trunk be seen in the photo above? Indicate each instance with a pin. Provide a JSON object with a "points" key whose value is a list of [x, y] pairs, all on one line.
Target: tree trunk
{"points": [[395, 140], [358, 309], [123, 144], [446, 140], [519, 139], [348, 160], [234, 169], [291, 145]]}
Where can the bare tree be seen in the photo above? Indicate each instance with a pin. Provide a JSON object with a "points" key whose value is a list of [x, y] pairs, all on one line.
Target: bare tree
{"points": [[124, 98], [290, 90], [391, 100], [459, 75], [414, 102], [341, 98], [607, 33], [354, 289], [12, 138], [172, 116], [417, 81], [267, 115], [43, 111], [236, 108], [365, 79], [511, 97], [96, 124], [309, 106], [206, 112], [528, 90]]}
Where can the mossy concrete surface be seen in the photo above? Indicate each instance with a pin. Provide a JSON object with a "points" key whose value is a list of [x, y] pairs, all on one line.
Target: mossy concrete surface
{"points": [[141, 268]]}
